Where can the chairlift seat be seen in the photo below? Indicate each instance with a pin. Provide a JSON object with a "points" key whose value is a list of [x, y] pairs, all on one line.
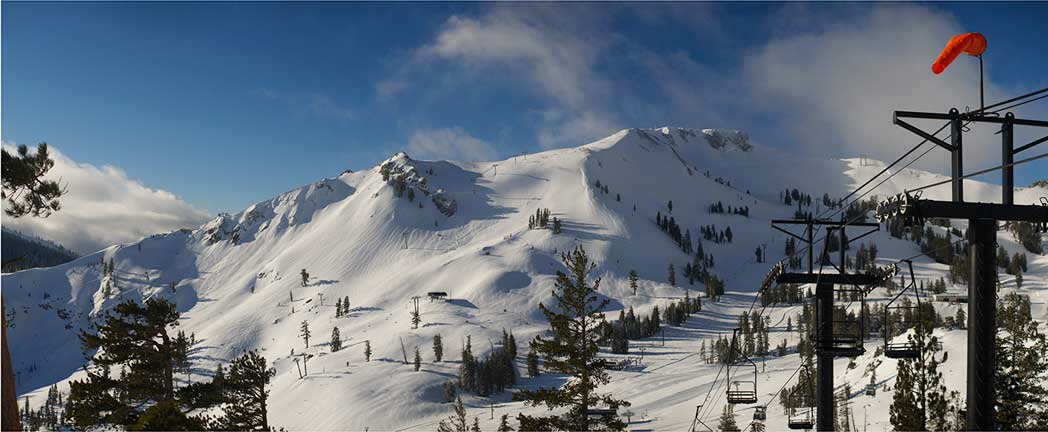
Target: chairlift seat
{"points": [[871, 389], [742, 396], [802, 421], [902, 351], [759, 413]]}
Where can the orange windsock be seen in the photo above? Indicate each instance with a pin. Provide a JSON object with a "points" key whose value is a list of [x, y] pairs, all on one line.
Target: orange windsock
{"points": [[972, 44]]}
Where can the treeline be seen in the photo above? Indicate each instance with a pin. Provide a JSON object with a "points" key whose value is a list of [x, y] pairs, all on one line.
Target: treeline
{"points": [[541, 220], [718, 207], [490, 375], [618, 333], [21, 252]]}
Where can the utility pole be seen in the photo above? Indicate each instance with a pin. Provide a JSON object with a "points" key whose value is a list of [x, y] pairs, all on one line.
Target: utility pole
{"points": [[982, 238]]}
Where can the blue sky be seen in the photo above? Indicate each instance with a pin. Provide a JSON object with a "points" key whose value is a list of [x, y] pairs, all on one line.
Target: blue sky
{"points": [[226, 104]]}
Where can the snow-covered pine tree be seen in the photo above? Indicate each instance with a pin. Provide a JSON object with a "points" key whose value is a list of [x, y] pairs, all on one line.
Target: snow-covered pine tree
{"points": [[336, 340], [504, 424], [304, 332], [727, 420], [672, 275], [338, 308], [573, 351], [438, 348], [418, 360], [367, 350]]}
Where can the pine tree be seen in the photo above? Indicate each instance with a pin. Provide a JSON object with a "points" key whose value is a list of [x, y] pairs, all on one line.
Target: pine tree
{"points": [[1021, 367], [24, 188], [304, 332], [336, 340], [727, 420], [476, 425], [504, 424], [338, 308], [245, 389], [418, 360], [345, 306], [133, 336], [367, 350], [457, 421], [573, 351], [672, 275], [533, 362], [633, 281], [438, 348]]}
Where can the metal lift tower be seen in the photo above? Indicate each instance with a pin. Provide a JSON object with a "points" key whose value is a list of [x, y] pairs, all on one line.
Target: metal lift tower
{"points": [[982, 238], [828, 342]]}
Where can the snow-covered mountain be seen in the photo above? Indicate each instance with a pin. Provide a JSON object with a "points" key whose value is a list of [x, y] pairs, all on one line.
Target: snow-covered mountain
{"points": [[408, 227]]}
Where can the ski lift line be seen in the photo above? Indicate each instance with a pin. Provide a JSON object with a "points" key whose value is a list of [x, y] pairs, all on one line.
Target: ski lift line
{"points": [[784, 384], [709, 392], [978, 173], [1044, 90], [1034, 93], [1024, 102]]}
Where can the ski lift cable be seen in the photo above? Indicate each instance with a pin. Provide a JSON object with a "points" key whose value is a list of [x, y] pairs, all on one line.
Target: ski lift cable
{"points": [[1044, 90], [784, 384], [981, 172]]}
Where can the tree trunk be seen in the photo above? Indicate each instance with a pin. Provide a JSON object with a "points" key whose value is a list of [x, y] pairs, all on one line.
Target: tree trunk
{"points": [[11, 421]]}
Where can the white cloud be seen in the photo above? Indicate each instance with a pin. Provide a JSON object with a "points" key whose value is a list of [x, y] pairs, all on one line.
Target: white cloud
{"points": [[101, 207], [450, 143], [834, 85], [543, 45]]}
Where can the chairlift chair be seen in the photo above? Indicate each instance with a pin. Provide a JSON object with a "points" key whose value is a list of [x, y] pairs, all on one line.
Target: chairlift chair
{"points": [[848, 337], [740, 391], [804, 420], [909, 348], [760, 413], [801, 417], [871, 389]]}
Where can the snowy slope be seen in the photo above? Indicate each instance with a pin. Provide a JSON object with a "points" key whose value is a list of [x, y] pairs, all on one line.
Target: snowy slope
{"points": [[236, 279]]}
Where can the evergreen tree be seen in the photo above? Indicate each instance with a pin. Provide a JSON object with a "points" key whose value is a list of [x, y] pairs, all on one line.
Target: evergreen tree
{"points": [[134, 337], [304, 332], [338, 308], [504, 424], [533, 362], [418, 360], [245, 389], [476, 425], [438, 348], [336, 340], [573, 351], [24, 188], [367, 350], [457, 421], [345, 306], [633, 281], [727, 420], [672, 275], [1021, 368]]}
